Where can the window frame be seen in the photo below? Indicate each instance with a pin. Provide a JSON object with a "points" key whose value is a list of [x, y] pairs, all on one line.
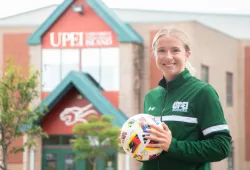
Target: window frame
{"points": [[229, 89], [102, 53], [205, 70], [230, 158]]}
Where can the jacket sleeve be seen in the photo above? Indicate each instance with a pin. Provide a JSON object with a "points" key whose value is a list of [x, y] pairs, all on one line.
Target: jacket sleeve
{"points": [[215, 143]]}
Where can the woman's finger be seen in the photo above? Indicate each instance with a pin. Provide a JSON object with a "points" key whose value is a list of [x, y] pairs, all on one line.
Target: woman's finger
{"points": [[165, 127], [155, 145], [154, 138], [158, 128], [156, 133]]}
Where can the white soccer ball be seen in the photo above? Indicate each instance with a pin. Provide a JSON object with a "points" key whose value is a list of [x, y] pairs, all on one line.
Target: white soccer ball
{"points": [[133, 139]]}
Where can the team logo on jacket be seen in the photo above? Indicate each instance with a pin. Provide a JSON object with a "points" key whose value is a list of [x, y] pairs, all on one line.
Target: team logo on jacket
{"points": [[180, 107], [151, 108]]}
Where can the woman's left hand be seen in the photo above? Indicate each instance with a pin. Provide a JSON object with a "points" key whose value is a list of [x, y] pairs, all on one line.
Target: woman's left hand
{"points": [[163, 137]]}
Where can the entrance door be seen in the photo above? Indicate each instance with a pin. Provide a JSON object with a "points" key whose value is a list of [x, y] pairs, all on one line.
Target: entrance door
{"points": [[61, 159], [64, 159]]}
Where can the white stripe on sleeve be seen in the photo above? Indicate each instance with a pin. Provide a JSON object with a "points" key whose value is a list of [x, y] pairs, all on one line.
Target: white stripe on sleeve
{"points": [[180, 119], [215, 129]]}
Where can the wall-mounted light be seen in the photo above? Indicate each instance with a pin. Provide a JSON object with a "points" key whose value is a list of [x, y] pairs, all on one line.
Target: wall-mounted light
{"points": [[78, 8]]}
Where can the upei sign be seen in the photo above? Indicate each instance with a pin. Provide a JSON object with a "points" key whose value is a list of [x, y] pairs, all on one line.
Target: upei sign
{"points": [[80, 39]]}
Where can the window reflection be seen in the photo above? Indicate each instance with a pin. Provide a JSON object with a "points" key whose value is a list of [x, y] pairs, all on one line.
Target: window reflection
{"points": [[51, 161], [110, 162], [89, 165], [69, 162]]}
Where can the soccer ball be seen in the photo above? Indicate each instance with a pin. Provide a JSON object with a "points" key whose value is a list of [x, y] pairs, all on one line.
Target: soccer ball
{"points": [[132, 137]]}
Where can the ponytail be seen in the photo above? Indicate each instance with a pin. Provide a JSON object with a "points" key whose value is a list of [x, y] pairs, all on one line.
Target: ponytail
{"points": [[190, 68]]}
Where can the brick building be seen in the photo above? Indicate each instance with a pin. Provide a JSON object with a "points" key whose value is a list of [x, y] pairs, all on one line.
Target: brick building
{"points": [[113, 49]]}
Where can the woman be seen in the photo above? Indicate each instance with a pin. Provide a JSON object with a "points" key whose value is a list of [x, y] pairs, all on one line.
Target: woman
{"points": [[195, 130]]}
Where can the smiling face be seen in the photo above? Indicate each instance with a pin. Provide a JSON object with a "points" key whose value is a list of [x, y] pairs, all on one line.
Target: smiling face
{"points": [[171, 55]]}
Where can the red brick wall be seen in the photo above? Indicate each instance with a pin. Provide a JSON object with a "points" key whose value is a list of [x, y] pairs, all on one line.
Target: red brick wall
{"points": [[16, 158], [14, 45]]}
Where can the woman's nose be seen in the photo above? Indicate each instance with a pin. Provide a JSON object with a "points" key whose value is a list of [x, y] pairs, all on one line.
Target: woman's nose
{"points": [[168, 54]]}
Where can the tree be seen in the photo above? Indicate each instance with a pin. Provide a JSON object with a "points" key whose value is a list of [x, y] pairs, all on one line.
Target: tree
{"points": [[17, 91], [95, 137]]}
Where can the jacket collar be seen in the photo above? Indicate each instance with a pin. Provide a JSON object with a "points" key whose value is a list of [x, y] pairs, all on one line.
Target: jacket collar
{"points": [[182, 78]]}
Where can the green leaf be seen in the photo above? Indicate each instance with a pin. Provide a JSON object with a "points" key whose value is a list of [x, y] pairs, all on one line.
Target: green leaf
{"points": [[95, 137], [17, 119]]}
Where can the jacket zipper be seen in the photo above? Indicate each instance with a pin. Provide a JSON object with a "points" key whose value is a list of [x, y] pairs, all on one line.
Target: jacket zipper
{"points": [[164, 106], [165, 101]]}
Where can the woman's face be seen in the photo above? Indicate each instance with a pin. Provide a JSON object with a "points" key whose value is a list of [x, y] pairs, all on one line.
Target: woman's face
{"points": [[171, 56]]}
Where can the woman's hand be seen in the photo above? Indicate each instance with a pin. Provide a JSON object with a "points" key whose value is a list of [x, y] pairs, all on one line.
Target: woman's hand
{"points": [[163, 137]]}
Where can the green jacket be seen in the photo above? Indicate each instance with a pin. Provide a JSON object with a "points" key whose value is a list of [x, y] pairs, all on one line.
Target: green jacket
{"points": [[192, 111]]}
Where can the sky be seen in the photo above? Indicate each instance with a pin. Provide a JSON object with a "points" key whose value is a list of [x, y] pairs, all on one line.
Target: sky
{"points": [[212, 6]]}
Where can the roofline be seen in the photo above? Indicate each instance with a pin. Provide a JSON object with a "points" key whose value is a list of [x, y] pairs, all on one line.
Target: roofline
{"points": [[82, 81], [35, 38], [26, 12], [141, 10], [182, 12], [125, 33], [192, 22], [216, 30]]}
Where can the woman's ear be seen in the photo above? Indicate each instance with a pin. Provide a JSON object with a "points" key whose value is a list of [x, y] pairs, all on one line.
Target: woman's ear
{"points": [[154, 54], [188, 54]]}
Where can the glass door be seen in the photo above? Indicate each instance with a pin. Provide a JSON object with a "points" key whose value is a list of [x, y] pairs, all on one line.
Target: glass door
{"points": [[69, 161], [51, 161], [64, 159], [61, 159]]}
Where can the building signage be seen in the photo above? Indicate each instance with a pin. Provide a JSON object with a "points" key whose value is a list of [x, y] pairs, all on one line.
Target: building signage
{"points": [[71, 116], [80, 39]]}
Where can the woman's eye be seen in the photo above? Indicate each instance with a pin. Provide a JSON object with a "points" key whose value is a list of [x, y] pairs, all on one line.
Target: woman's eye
{"points": [[161, 51], [175, 50]]}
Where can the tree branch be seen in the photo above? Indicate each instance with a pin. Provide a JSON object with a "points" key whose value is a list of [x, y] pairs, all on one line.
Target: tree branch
{"points": [[16, 93], [12, 137]]}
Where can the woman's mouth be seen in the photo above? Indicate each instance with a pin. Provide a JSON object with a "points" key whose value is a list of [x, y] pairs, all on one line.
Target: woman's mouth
{"points": [[169, 64]]}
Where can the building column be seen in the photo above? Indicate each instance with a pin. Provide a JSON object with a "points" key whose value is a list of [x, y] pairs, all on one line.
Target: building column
{"points": [[25, 154], [129, 93]]}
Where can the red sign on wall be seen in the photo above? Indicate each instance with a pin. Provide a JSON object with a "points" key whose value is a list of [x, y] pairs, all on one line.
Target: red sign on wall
{"points": [[72, 30], [80, 39], [71, 110], [73, 115]]}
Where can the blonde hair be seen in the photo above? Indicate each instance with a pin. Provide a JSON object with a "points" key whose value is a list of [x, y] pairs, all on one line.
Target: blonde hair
{"points": [[172, 31]]}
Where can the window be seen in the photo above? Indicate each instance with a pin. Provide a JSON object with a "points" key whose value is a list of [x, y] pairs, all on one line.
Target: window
{"points": [[111, 161], [52, 140], [70, 61], [231, 158], [69, 161], [56, 64], [110, 68], [103, 66], [229, 88], [101, 63], [51, 161], [91, 63], [50, 69], [205, 73], [58, 140]]}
